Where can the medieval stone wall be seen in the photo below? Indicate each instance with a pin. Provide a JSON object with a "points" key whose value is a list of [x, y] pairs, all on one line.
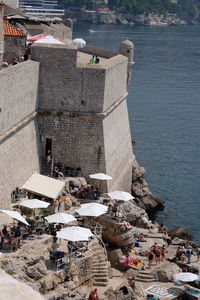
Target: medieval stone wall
{"points": [[18, 93], [18, 127], [18, 160]]}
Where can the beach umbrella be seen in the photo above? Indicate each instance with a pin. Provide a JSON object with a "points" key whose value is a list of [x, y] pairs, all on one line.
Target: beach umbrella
{"points": [[15, 215], [120, 195], [61, 218], [34, 203], [49, 39], [185, 277], [74, 234], [36, 37], [79, 42], [100, 176], [92, 210]]}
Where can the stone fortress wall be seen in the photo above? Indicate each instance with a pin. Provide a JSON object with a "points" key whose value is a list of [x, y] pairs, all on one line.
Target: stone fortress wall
{"points": [[83, 110], [81, 107], [18, 127]]}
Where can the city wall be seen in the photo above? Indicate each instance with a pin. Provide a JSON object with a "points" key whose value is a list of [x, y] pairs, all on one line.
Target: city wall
{"points": [[18, 93], [18, 127]]}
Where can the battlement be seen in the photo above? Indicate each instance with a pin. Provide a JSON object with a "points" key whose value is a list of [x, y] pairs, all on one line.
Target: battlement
{"points": [[68, 82]]}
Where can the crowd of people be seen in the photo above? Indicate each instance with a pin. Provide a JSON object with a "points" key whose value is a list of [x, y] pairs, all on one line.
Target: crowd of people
{"points": [[15, 60], [184, 254], [84, 192], [157, 253]]}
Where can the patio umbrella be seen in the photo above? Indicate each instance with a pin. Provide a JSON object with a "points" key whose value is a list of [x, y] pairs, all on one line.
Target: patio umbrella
{"points": [[92, 210], [185, 277], [74, 234], [15, 215], [79, 42], [34, 203], [61, 218], [100, 176], [95, 204], [49, 39], [120, 195]]}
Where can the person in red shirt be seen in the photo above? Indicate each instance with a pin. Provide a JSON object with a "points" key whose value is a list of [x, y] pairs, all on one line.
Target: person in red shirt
{"points": [[93, 295]]}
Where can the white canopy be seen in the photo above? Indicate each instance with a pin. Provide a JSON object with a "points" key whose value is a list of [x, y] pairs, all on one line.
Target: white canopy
{"points": [[74, 234], [79, 42], [185, 277], [35, 203], [44, 186], [92, 210], [60, 218], [120, 195], [49, 40], [15, 215], [100, 176]]}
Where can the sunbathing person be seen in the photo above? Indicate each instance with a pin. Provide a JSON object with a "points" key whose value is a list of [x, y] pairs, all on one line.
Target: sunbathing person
{"points": [[141, 237]]}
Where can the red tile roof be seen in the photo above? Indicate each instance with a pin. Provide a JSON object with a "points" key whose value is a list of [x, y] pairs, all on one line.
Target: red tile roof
{"points": [[11, 30]]}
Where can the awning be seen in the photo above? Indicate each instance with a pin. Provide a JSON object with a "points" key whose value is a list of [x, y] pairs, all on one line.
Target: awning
{"points": [[44, 186]]}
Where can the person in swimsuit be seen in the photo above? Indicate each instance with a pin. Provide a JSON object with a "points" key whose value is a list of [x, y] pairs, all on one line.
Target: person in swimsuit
{"points": [[93, 295], [150, 258]]}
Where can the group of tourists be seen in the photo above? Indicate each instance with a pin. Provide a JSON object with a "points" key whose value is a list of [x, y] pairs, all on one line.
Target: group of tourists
{"points": [[185, 254], [157, 253], [15, 61], [10, 238], [84, 192]]}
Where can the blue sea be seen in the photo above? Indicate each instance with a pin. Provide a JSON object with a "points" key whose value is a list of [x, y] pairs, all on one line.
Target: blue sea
{"points": [[164, 108]]}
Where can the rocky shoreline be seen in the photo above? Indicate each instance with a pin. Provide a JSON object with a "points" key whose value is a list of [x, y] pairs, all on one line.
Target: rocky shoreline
{"points": [[130, 19]]}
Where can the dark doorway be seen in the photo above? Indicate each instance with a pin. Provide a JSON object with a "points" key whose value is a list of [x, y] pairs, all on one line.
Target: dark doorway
{"points": [[48, 146]]}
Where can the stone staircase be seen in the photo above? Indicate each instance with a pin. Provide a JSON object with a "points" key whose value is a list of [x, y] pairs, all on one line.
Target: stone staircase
{"points": [[145, 276], [100, 267], [46, 169]]}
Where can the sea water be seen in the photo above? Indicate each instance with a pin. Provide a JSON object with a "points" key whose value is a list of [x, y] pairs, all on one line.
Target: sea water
{"points": [[164, 108]]}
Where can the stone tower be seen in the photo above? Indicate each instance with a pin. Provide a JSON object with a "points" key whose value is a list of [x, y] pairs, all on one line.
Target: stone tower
{"points": [[82, 112], [126, 48]]}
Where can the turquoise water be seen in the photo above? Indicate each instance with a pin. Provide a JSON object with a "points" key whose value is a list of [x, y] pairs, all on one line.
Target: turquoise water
{"points": [[164, 108]]}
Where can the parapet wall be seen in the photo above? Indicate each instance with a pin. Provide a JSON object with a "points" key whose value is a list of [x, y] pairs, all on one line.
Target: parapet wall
{"points": [[18, 127], [18, 93]]}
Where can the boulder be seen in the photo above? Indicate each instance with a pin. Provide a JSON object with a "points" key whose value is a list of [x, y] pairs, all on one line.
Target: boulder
{"points": [[166, 270], [180, 232], [33, 273], [114, 256]]}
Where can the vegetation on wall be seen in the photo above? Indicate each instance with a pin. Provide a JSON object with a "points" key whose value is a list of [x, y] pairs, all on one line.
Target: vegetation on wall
{"points": [[181, 8]]}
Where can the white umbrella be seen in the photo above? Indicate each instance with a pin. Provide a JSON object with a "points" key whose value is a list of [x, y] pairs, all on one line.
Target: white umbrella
{"points": [[95, 204], [14, 215], [120, 195], [79, 42], [185, 277], [49, 40], [34, 203], [60, 218], [100, 176], [74, 234], [92, 210]]}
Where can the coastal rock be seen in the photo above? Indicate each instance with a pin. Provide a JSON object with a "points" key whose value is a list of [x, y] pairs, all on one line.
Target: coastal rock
{"points": [[134, 214], [180, 232], [32, 272], [114, 256], [166, 270]]}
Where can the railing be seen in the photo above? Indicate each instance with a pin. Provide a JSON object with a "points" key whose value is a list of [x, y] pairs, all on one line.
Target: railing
{"points": [[98, 234]]}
